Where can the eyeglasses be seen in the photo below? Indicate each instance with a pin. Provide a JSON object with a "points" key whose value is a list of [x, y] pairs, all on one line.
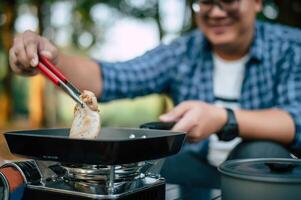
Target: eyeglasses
{"points": [[229, 6]]}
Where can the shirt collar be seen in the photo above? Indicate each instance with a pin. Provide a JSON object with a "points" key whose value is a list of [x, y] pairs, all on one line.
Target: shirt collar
{"points": [[256, 49]]}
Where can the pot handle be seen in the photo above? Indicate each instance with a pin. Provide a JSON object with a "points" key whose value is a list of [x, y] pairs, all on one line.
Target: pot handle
{"points": [[280, 167], [158, 125]]}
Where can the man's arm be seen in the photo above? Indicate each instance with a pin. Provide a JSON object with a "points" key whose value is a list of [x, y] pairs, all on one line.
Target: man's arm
{"points": [[200, 120], [23, 58], [271, 124]]}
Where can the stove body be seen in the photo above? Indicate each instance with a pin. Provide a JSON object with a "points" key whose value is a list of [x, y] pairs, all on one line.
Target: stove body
{"points": [[84, 182], [148, 189]]}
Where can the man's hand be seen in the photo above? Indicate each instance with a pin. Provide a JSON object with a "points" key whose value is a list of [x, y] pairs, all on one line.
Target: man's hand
{"points": [[23, 55], [197, 118]]}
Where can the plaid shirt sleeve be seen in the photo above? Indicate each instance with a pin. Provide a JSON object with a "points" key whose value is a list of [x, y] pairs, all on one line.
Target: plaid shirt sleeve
{"points": [[289, 89], [149, 73]]}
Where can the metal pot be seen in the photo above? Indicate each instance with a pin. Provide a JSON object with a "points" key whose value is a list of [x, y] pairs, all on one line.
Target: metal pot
{"points": [[261, 179]]}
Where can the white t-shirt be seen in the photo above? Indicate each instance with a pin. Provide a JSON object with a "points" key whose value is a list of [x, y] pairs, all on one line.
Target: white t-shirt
{"points": [[227, 80]]}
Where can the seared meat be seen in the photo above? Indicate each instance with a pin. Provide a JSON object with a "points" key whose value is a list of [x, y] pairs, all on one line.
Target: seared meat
{"points": [[86, 123]]}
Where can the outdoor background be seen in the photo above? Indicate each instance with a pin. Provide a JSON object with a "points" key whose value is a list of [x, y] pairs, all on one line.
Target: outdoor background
{"points": [[113, 30]]}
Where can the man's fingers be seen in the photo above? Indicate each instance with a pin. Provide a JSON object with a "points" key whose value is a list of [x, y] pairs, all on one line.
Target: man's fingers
{"points": [[175, 113], [195, 134], [31, 42], [20, 53], [185, 124], [31, 47], [32, 55], [13, 61], [47, 54], [17, 67], [25, 51], [38, 45]]}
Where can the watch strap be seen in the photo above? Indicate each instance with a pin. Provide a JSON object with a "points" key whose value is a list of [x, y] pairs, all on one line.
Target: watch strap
{"points": [[230, 129]]}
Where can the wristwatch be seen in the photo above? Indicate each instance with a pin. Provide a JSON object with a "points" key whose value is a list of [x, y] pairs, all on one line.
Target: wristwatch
{"points": [[230, 129]]}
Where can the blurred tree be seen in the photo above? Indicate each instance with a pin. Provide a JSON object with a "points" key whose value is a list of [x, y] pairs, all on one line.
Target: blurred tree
{"points": [[143, 9], [9, 15], [83, 20], [289, 12], [41, 111], [42, 97]]}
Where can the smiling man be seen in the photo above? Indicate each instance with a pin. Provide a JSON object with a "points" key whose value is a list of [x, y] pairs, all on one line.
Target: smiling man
{"points": [[228, 25], [235, 82]]}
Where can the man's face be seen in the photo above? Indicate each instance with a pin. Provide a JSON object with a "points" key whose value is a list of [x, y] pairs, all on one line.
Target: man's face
{"points": [[228, 21]]}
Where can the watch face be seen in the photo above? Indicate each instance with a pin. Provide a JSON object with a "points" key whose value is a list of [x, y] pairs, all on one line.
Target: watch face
{"points": [[4, 188]]}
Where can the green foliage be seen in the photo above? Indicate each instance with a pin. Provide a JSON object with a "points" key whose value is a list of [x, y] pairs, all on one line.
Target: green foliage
{"points": [[20, 94]]}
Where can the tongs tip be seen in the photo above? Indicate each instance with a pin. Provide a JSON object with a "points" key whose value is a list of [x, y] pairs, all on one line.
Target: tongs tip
{"points": [[78, 100], [81, 104]]}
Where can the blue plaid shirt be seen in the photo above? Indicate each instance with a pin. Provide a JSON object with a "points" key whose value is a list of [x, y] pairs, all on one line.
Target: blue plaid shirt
{"points": [[184, 70]]}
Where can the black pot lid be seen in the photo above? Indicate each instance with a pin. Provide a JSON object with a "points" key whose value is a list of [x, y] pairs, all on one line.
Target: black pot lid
{"points": [[271, 170]]}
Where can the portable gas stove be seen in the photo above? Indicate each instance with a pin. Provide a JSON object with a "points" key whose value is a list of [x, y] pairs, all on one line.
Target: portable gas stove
{"points": [[56, 181], [119, 165]]}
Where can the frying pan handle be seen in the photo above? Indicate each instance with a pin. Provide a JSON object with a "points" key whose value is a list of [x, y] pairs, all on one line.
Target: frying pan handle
{"points": [[158, 125]]}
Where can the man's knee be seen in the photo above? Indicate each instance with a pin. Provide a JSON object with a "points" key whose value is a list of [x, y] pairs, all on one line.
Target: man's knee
{"points": [[259, 149]]}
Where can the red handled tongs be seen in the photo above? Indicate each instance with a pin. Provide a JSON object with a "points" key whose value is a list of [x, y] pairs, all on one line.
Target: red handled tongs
{"points": [[52, 72]]}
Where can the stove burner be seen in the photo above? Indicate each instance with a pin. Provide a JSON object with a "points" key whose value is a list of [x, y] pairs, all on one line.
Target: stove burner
{"points": [[102, 173]]}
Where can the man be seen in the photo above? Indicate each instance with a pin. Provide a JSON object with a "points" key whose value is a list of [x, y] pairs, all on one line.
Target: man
{"points": [[251, 68]]}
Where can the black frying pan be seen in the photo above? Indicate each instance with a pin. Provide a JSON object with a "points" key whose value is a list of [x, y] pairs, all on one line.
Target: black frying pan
{"points": [[113, 146]]}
